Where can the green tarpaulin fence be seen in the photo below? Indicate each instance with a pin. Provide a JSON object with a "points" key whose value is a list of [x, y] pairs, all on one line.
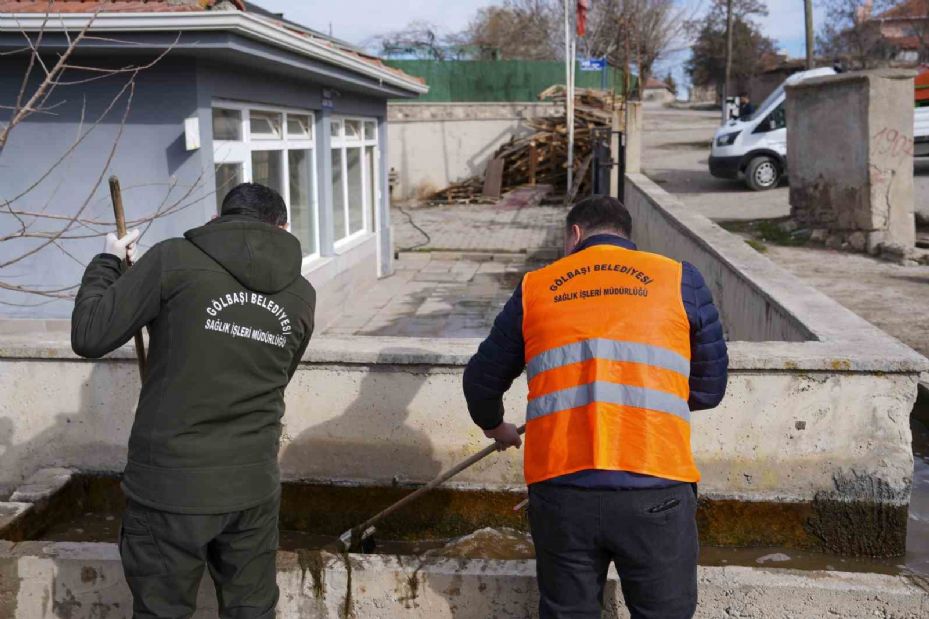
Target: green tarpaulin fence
{"points": [[499, 80]]}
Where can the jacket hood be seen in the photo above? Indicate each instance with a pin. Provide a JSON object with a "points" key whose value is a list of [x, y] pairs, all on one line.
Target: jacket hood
{"points": [[261, 257]]}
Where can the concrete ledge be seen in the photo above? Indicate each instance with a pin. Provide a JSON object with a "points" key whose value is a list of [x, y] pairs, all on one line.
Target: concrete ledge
{"points": [[45, 577], [779, 296], [366, 349]]}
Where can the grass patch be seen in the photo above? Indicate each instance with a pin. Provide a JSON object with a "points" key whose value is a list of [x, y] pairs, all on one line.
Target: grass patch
{"points": [[773, 231], [757, 245]]}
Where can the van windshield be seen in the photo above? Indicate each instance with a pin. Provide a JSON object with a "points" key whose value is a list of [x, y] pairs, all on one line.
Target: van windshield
{"points": [[762, 109]]}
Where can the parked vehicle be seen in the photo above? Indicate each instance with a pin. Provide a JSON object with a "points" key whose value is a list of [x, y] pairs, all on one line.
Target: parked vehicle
{"points": [[756, 148], [921, 114]]}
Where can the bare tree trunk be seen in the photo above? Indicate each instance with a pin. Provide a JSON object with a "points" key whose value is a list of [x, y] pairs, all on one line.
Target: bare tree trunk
{"points": [[726, 84]]}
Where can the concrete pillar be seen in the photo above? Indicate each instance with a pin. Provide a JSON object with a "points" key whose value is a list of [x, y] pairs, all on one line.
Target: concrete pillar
{"points": [[634, 126], [324, 186], [615, 145], [850, 158]]}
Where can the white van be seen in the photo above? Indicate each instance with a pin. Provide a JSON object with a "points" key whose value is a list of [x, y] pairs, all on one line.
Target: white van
{"points": [[756, 148]]}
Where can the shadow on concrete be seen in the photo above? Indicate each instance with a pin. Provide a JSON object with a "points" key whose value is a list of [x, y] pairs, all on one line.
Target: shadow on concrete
{"points": [[371, 439], [698, 181], [468, 308], [71, 440]]}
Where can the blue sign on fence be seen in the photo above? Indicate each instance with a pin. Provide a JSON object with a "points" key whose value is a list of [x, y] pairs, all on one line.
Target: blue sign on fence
{"points": [[593, 64]]}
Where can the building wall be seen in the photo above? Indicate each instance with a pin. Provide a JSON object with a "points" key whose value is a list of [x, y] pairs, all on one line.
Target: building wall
{"points": [[432, 145], [338, 272], [150, 160], [156, 171]]}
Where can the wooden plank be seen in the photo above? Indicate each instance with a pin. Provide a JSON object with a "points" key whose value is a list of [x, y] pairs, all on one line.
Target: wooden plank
{"points": [[493, 178]]}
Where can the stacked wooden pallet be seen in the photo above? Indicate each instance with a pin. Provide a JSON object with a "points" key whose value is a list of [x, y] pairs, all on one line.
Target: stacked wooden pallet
{"points": [[541, 157]]}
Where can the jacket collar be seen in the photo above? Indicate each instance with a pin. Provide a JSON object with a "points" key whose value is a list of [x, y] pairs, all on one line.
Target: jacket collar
{"points": [[604, 239]]}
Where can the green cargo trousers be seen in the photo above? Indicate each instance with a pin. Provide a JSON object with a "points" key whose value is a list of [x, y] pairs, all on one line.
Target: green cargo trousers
{"points": [[164, 554]]}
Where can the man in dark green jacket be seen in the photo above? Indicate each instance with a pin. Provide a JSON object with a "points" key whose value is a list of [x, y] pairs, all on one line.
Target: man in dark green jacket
{"points": [[229, 317]]}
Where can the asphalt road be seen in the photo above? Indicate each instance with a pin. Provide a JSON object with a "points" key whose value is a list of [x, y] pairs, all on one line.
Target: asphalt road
{"points": [[675, 152]]}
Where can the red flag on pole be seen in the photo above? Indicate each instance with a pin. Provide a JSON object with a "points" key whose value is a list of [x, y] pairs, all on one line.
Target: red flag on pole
{"points": [[583, 6]]}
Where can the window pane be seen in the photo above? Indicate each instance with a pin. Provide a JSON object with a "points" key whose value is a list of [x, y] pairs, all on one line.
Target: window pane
{"points": [[335, 127], [371, 169], [227, 124], [352, 128], [302, 199], [266, 169], [356, 204], [298, 126], [338, 197], [265, 125], [370, 130], [228, 175]]}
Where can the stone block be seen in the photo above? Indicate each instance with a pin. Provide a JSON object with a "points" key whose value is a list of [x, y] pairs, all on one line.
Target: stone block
{"points": [[852, 171]]}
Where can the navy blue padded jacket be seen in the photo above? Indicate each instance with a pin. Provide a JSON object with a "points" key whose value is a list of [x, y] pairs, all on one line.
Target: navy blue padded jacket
{"points": [[500, 360]]}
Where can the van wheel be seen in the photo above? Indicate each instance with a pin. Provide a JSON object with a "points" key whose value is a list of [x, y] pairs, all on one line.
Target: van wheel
{"points": [[762, 173]]}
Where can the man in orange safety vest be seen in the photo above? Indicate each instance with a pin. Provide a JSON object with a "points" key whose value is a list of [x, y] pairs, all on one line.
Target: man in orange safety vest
{"points": [[619, 346]]}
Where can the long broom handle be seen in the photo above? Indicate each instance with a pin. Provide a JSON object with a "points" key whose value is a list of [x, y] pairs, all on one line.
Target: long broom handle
{"points": [[441, 479], [116, 195]]}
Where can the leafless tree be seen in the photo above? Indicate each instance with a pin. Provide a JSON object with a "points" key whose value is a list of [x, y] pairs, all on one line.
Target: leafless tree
{"points": [[639, 32], [848, 34], [28, 229], [517, 30], [419, 39]]}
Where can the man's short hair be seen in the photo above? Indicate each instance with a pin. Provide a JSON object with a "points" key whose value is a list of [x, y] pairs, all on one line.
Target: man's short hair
{"points": [[256, 201], [600, 214]]}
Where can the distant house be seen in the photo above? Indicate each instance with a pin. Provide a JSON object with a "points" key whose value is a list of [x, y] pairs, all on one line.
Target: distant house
{"points": [[775, 68], [904, 29], [241, 95], [657, 90]]}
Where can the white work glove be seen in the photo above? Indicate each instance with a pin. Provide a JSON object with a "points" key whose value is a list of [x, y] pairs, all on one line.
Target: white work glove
{"points": [[122, 248]]}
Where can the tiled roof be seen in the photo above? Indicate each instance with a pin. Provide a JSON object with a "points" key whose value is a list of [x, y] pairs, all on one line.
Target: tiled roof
{"points": [[178, 6], [652, 83], [912, 9], [117, 6]]}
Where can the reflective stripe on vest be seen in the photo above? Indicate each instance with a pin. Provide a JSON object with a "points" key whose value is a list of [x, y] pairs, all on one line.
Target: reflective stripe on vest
{"points": [[608, 358]]}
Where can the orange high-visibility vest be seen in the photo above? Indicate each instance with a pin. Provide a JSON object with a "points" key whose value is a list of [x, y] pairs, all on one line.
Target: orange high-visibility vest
{"points": [[607, 346]]}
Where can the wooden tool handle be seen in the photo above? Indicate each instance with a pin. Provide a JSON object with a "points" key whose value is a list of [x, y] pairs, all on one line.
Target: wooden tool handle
{"points": [[116, 195], [360, 530]]}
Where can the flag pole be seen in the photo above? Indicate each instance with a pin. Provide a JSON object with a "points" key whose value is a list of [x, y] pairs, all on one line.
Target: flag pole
{"points": [[569, 81]]}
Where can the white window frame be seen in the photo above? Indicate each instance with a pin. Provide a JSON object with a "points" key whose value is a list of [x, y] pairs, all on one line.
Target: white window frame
{"points": [[240, 152], [369, 202]]}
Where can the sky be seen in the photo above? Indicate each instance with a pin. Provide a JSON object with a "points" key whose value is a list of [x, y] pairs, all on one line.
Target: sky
{"points": [[357, 21]]}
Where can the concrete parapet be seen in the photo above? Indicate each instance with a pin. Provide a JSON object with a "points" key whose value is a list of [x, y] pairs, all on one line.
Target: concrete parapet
{"points": [[851, 157], [44, 580], [816, 414], [432, 145]]}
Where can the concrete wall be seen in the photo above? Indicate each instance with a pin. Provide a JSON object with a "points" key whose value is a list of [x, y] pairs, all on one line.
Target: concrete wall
{"points": [[434, 144], [851, 157], [817, 407], [150, 160], [43, 580]]}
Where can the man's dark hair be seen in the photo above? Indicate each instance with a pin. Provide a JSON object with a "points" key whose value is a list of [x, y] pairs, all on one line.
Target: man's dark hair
{"points": [[600, 214], [744, 95], [256, 201]]}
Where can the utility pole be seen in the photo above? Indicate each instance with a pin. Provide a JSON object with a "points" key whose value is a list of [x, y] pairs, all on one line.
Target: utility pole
{"points": [[569, 88], [808, 10], [726, 84]]}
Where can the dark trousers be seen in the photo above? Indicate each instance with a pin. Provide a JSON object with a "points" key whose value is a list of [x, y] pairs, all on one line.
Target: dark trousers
{"points": [[650, 535], [164, 555]]}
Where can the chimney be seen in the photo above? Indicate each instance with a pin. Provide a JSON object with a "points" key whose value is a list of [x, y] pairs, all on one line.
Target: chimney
{"points": [[863, 12]]}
